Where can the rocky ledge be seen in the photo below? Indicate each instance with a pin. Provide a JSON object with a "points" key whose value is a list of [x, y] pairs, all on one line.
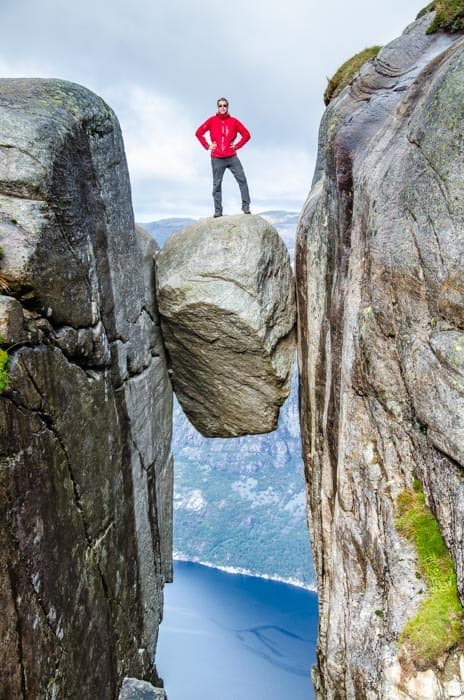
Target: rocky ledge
{"points": [[226, 299]]}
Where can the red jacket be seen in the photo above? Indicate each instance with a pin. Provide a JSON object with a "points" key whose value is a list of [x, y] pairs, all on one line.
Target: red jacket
{"points": [[223, 130]]}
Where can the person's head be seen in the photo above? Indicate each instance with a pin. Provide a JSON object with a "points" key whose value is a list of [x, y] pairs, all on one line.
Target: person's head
{"points": [[222, 105]]}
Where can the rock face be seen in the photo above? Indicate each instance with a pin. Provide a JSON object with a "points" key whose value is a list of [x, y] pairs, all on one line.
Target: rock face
{"points": [[226, 299], [85, 423], [133, 689], [380, 257]]}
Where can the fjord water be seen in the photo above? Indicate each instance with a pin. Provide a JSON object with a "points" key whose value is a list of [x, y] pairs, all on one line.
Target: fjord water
{"points": [[234, 637]]}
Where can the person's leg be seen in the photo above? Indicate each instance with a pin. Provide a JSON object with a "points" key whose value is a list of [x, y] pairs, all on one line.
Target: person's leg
{"points": [[219, 167], [237, 171]]}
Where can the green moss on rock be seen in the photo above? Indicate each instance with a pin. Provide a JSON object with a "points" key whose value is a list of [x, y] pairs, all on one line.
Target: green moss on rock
{"points": [[347, 71], [4, 372], [449, 16], [438, 624]]}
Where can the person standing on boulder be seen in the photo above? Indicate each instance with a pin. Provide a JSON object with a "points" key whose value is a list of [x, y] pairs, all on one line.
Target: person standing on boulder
{"points": [[223, 130]]}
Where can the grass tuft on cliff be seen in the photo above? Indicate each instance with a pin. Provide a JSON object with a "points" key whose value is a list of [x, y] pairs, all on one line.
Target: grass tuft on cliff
{"points": [[449, 16], [347, 71], [438, 624], [4, 373]]}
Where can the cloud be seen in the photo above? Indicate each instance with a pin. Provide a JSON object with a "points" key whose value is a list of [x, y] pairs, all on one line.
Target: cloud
{"points": [[161, 66], [171, 173], [270, 58], [159, 138], [278, 178], [279, 174], [25, 66]]}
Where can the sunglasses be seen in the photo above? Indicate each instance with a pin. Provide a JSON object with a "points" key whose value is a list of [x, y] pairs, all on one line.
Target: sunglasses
{"points": [[221, 105]]}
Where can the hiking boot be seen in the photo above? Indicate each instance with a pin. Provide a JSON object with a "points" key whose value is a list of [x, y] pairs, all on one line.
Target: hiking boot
{"points": [[217, 214], [246, 210]]}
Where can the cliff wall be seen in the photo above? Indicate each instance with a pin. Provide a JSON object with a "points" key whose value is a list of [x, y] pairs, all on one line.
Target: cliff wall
{"points": [[380, 254], [85, 420]]}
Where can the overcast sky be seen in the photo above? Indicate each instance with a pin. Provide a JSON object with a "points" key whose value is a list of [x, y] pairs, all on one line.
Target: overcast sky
{"points": [[162, 64]]}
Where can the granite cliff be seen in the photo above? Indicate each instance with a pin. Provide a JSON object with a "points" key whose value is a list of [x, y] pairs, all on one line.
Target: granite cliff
{"points": [[85, 419], [380, 253]]}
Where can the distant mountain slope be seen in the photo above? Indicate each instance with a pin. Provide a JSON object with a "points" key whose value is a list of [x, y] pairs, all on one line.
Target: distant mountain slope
{"points": [[285, 222], [162, 229], [241, 502]]}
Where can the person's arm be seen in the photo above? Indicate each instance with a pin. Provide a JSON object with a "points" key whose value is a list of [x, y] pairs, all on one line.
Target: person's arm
{"points": [[245, 135], [200, 134]]}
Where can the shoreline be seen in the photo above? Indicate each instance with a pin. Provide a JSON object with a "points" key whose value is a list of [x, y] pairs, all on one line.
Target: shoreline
{"points": [[177, 556]]}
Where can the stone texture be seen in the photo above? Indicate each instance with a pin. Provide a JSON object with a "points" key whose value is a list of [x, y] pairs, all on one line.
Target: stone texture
{"points": [[11, 321], [424, 686], [133, 689], [454, 689], [226, 300], [85, 424], [380, 293]]}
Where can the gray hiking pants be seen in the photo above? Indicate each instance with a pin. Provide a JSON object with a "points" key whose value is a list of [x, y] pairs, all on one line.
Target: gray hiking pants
{"points": [[219, 166]]}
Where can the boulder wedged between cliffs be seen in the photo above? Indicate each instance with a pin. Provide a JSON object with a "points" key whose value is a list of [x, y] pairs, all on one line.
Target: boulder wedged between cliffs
{"points": [[226, 299]]}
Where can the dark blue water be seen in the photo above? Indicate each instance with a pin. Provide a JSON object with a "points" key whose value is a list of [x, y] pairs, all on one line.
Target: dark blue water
{"points": [[233, 637]]}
